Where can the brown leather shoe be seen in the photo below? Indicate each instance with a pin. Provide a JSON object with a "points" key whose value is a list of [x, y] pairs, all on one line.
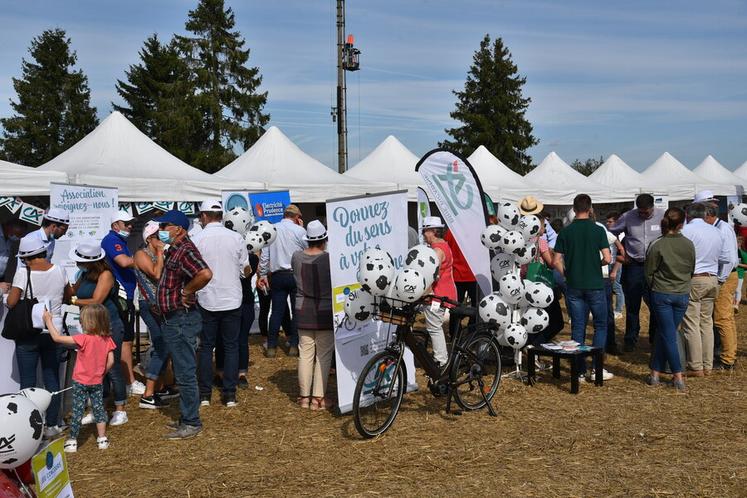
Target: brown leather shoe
{"points": [[695, 373]]}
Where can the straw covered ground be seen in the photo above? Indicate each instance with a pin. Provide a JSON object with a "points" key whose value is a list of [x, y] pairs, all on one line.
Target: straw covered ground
{"points": [[623, 439]]}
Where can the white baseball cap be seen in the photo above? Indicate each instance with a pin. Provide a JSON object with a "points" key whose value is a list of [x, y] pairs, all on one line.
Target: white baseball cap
{"points": [[315, 231], [31, 245], [121, 216], [149, 229], [87, 251], [57, 215], [211, 206], [432, 222]]}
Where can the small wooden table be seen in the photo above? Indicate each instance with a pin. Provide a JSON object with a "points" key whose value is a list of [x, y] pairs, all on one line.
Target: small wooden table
{"points": [[597, 354]]}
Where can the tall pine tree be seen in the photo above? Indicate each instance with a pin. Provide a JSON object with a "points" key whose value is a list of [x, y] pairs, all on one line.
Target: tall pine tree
{"points": [[160, 100], [227, 87], [491, 108], [53, 107]]}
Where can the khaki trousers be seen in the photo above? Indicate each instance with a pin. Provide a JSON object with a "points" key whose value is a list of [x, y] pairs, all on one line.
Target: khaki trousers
{"points": [[724, 321], [697, 325], [315, 350]]}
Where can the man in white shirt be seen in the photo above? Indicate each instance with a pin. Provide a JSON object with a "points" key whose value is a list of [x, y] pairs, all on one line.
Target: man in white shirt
{"points": [[697, 325], [54, 225], [225, 253], [275, 263], [723, 309]]}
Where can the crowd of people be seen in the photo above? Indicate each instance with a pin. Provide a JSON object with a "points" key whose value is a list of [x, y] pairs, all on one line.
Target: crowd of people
{"points": [[191, 283]]}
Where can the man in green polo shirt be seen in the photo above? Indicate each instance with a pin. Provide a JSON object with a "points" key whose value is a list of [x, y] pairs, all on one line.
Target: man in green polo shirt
{"points": [[577, 257]]}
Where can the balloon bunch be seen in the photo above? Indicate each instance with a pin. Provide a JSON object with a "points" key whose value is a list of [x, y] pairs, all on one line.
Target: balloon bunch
{"points": [[259, 235], [238, 219], [739, 214], [517, 307], [22, 425], [382, 285]]}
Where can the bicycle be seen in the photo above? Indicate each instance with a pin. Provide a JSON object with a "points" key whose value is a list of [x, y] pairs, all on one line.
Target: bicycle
{"points": [[471, 375]]}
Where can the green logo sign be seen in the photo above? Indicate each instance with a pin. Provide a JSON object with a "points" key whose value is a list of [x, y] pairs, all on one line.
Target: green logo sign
{"points": [[452, 186]]}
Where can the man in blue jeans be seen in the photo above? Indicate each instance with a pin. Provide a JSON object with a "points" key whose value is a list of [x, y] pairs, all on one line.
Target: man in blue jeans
{"points": [[275, 263], [577, 258], [184, 273]]}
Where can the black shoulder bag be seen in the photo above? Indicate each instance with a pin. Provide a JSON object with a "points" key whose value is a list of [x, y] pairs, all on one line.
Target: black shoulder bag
{"points": [[18, 324]]}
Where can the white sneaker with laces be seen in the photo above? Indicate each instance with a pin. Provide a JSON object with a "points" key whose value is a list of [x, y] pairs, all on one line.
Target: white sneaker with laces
{"points": [[605, 374], [102, 442], [118, 418], [137, 388], [582, 379], [87, 419], [71, 446], [52, 431]]}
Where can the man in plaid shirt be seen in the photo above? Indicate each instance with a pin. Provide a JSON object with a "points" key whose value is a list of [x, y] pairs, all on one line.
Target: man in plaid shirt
{"points": [[184, 273]]}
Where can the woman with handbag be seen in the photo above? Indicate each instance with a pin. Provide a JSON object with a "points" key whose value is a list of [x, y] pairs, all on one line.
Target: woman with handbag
{"points": [[96, 285], [37, 280]]}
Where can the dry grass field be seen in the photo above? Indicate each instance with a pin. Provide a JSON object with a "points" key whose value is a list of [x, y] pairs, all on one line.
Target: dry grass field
{"points": [[623, 439]]}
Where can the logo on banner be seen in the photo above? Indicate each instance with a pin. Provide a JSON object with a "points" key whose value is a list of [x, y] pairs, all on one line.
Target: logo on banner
{"points": [[259, 210], [452, 186]]}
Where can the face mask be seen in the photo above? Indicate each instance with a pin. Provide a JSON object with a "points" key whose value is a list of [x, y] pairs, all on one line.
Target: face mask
{"points": [[123, 233], [164, 236]]}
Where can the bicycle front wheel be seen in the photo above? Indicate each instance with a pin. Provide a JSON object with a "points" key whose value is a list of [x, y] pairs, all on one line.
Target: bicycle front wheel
{"points": [[476, 371], [378, 394]]}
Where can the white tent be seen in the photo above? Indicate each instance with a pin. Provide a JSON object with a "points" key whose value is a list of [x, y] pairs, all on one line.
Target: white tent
{"points": [[117, 154], [714, 171], [741, 171], [23, 180], [616, 173], [497, 179], [668, 176], [277, 162], [557, 183], [392, 162]]}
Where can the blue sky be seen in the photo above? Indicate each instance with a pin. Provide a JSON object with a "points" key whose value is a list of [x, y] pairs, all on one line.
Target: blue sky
{"points": [[634, 78]]}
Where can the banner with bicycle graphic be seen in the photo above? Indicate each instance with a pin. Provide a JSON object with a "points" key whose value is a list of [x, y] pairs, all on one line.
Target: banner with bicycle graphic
{"points": [[354, 225]]}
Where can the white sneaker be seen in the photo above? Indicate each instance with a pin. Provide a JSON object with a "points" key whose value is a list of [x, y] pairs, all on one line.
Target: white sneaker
{"points": [[118, 418], [87, 419], [605, 374], [71, 446], [582, 379], [102, 442], [52, 431], [137, 388], [618, 315]]}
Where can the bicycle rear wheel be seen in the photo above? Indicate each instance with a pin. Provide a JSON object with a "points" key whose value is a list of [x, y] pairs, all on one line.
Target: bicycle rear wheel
{"points": [[476, 368], [378, 394]]}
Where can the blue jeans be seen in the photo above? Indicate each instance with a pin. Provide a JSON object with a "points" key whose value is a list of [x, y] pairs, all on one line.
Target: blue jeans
{"points": [[669, 309], [611, 344], [618, 290], [579, 302], [115, 376], [158, 356], [28, 355], [180, 332], [225, 324], [282, 286], [634, 286]]}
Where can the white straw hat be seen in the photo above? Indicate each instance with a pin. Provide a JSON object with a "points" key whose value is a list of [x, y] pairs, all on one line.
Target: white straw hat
{"points": [[31, 245], [432, 222], [87, 251], [315, 231], [57, 215]]}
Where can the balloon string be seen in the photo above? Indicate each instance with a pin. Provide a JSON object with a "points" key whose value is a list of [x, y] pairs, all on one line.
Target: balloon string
{"points": [[26, 491], [62, 390]]}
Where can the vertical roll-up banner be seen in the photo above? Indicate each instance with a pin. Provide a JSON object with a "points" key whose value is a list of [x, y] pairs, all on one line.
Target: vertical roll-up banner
{"points": [[424, 211], [453, 185]]}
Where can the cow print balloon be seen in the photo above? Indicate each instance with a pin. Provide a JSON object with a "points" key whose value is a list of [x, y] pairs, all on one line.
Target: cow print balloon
{"points": [[502, 264], [254, 241], [511, 288], [535, 320], [491, 236], [529, 226], [739, 214], [238, 219], [537, 294], [526, 254], [494, 310], [21, 430], [425, 260], [515, 336], [512, 242], [267, 229], [508, 215], [359, 305], [376, 271], [409, 285]]}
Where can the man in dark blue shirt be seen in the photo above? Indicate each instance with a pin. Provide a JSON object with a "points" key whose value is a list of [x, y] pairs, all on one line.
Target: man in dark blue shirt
{"points": [[120, 260]]}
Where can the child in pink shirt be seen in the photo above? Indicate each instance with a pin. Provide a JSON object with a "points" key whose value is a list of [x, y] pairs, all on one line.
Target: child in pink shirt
{"points": [[95, 357]]}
